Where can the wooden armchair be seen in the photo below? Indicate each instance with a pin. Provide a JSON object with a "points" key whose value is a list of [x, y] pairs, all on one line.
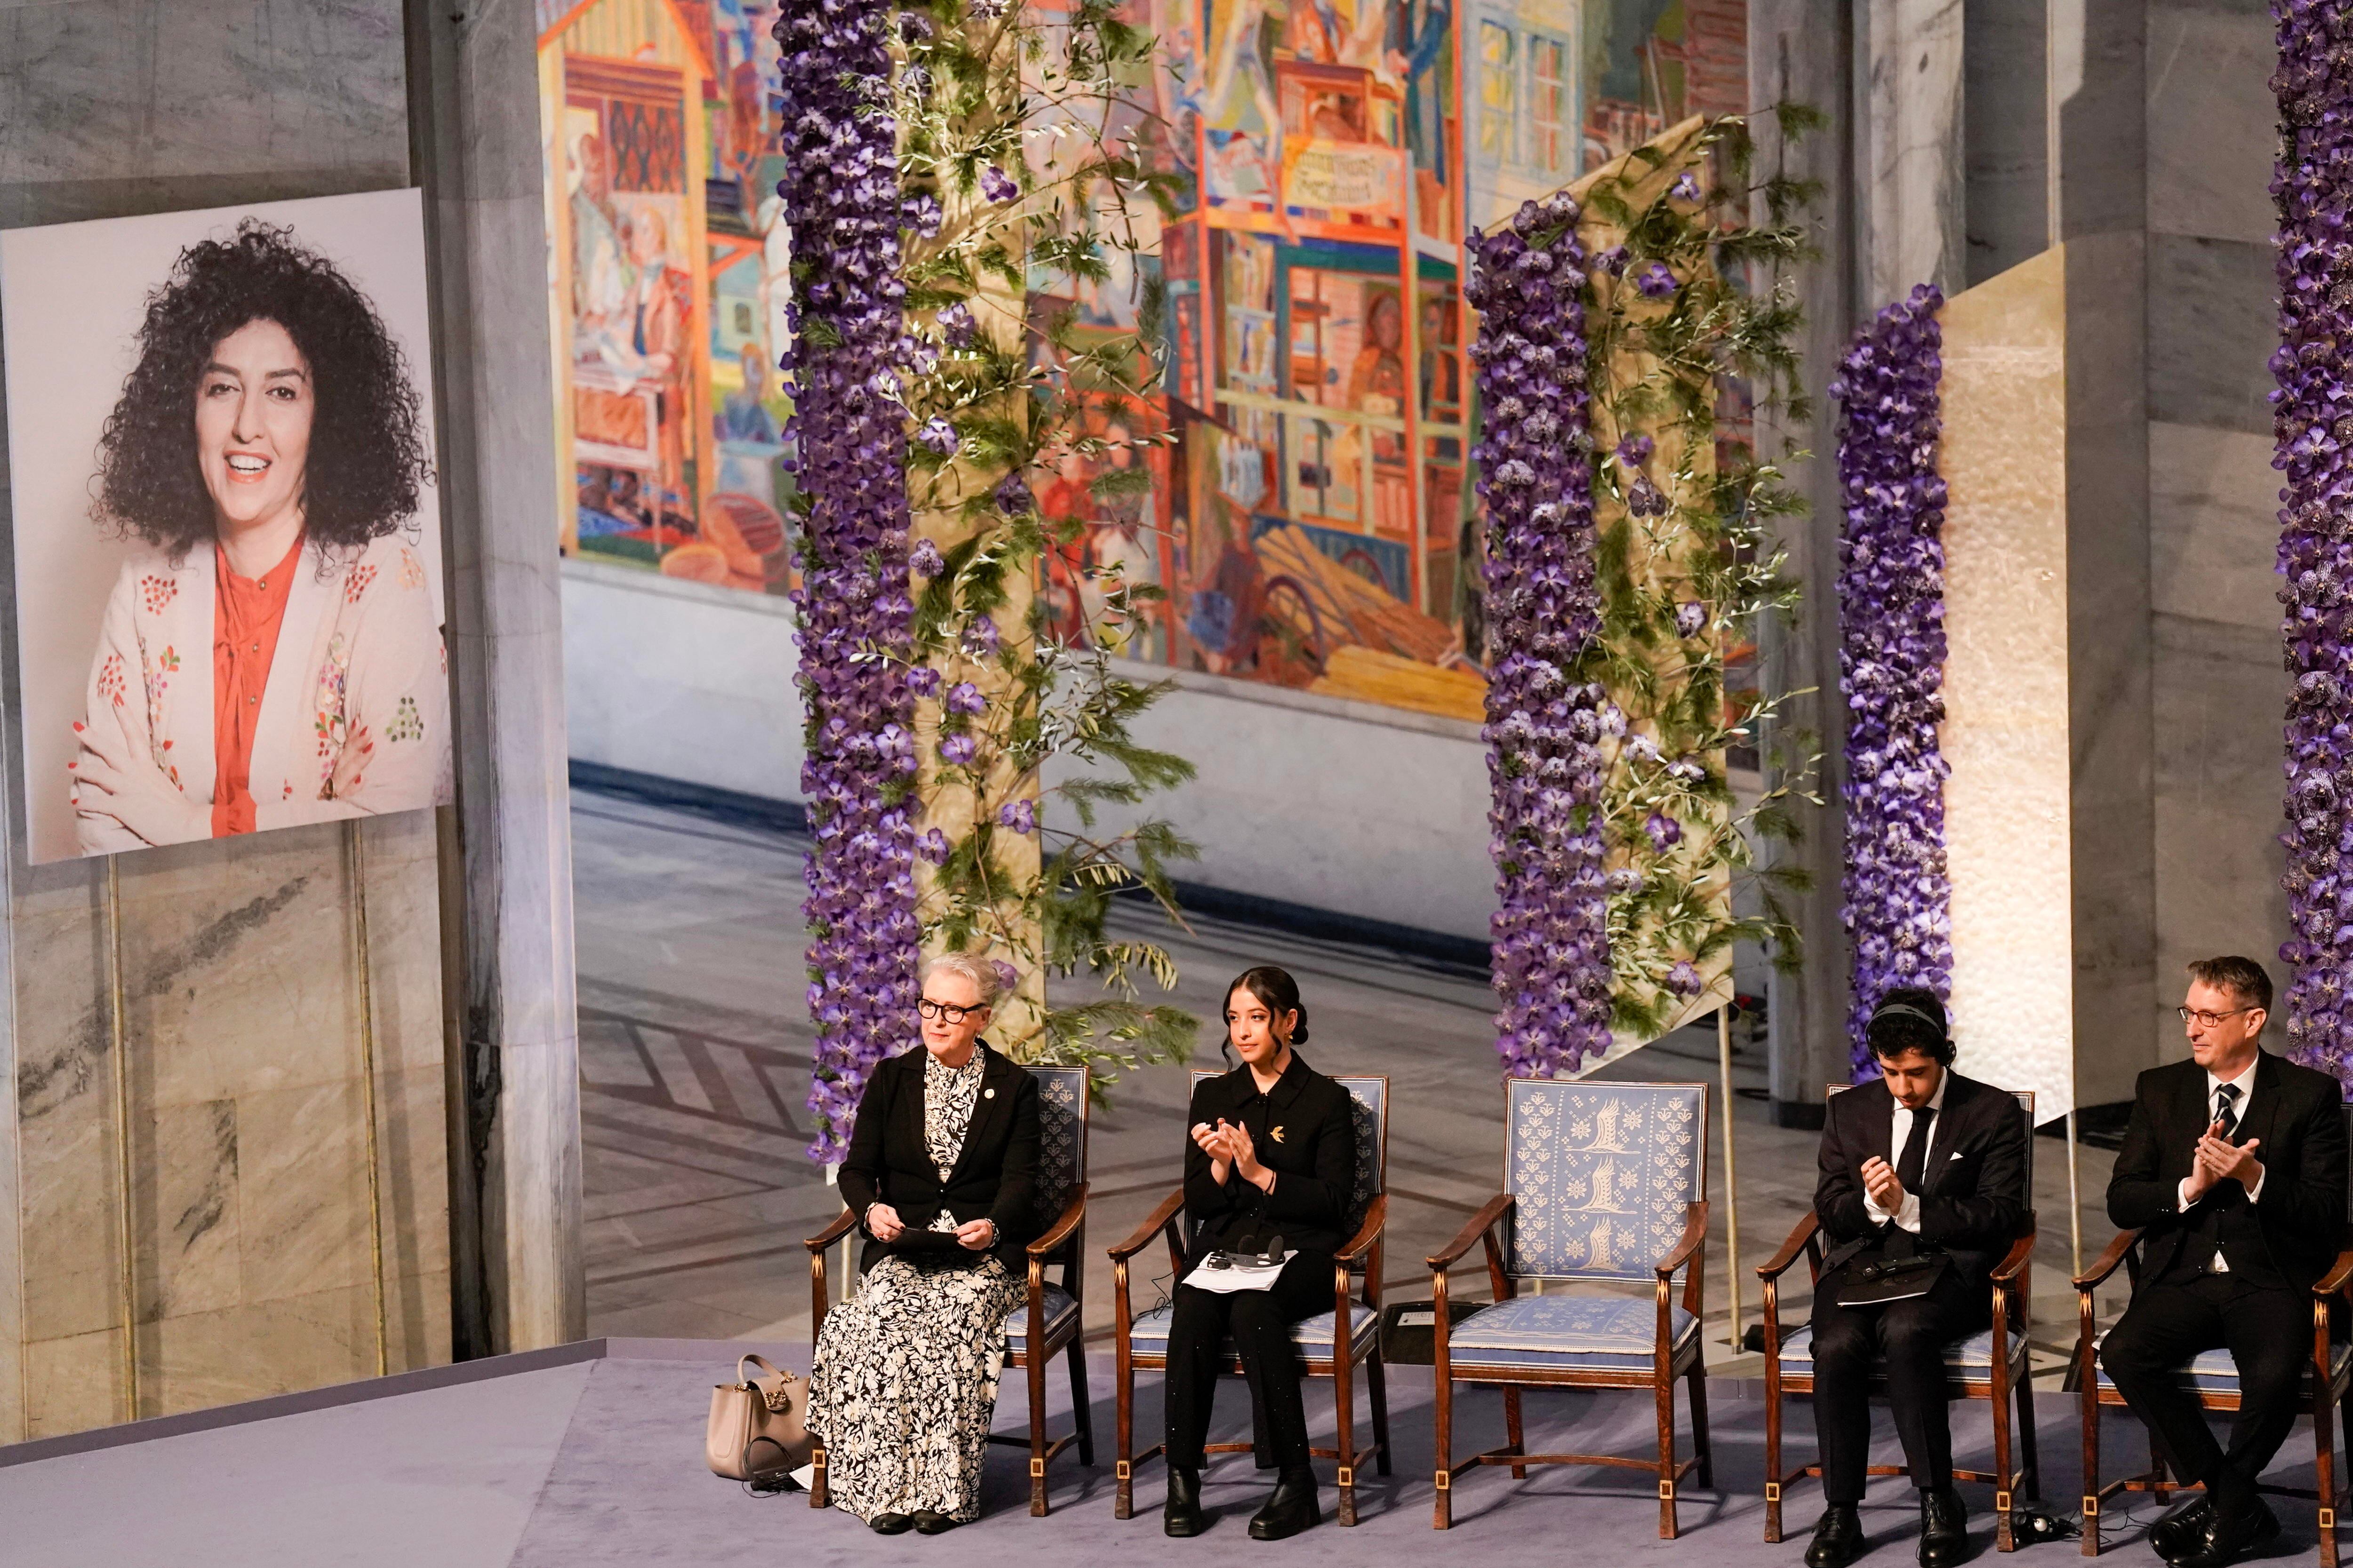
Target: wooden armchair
{"points": [[1992, 1366], [1604, 1181], [1063, 1099], [1141, 1338], [2214, 1377]]}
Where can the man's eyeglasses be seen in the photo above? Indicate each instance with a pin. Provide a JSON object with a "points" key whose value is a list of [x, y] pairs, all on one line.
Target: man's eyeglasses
{"points": [[947, 1010], [2206, 1020]]}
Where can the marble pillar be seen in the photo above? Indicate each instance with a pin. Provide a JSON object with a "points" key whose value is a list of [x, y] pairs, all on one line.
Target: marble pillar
{"points": [[1798, 53], [1910, 161], [474, 88]]}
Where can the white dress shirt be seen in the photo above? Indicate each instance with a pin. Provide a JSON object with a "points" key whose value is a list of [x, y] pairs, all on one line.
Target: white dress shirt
{"points": [[2245, 1083], [1907, 1213]]}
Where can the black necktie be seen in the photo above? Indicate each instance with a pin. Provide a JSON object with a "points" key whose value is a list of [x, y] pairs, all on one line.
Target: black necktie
{"points": [[1915, 1158], [2227, 1115]]}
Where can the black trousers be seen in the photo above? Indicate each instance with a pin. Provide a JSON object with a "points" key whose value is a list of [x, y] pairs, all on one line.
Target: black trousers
{"points": [[1259, 1323], [1907, 1340], [2268, 1331]]}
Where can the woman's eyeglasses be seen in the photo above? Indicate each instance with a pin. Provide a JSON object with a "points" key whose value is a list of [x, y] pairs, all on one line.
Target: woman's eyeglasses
{"points": [[947, 1010]]}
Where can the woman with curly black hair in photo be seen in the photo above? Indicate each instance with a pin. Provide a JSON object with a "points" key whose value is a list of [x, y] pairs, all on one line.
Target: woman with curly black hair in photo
{"points": [[266, 452]]}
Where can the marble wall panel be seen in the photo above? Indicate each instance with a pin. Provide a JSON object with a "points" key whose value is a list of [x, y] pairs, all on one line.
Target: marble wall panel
{"points": [[2221, 698], [130, 106], [186, 1222], [1912, 149], [2005, 54], [2212, 326], [70, 1209], [257, 1349], [73, 1383], [2212, 122], [2213, 526]]}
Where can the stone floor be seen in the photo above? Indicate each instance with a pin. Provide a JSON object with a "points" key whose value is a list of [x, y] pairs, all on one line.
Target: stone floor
{"points": [[695, 1059]]}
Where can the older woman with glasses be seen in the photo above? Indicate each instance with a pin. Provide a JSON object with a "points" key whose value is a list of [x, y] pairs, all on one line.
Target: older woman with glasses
{"points": [[942, 1172]]}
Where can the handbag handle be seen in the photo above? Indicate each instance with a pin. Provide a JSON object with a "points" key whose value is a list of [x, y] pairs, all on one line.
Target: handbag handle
{"points": [[773, 1387]]}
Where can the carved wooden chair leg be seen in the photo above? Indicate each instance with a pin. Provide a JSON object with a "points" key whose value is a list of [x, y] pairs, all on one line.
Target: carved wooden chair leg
{"points": [[2031, 1460], [1344, 1391], [2004, 1537], [1667, 1522], [1443, 1511], [1772, 1453], [817, 1498], [1378, 1381], [2324, 1467], [1695, 1381], [1036, 1368], [2088, 1374], [1512, 1431], [1081, 1400], [1123, 1504]]}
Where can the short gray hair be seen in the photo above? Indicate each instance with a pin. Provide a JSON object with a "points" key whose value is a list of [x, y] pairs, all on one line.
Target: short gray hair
{"points": [[985, 982]]}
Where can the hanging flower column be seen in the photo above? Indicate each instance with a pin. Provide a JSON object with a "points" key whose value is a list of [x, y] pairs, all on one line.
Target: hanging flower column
{"points": [[2312, 422], [842, 200], [1898, 908], [1545, 729]]}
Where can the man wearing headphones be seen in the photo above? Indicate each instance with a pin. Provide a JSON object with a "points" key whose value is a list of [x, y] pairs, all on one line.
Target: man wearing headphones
{"points": [[1923, 1175]]}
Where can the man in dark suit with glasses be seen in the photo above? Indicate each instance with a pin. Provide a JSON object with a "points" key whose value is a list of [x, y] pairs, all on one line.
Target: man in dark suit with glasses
{"points": [[2233, 1170]]}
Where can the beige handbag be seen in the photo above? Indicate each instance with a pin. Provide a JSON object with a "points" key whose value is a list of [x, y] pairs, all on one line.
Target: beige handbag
{"points": [[756, 1431]]}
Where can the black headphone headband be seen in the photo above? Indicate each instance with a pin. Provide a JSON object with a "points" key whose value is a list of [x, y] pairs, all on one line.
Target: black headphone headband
{"points": [[1905, 1009]]}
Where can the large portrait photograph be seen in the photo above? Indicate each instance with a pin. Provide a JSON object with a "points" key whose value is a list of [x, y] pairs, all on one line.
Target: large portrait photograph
{"points": [[228, 537]]}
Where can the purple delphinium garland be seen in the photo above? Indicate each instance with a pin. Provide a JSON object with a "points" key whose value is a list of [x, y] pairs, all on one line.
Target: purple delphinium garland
{"points": [[1891, 594], [1545, 726], [2313, 423], [842, 200]]}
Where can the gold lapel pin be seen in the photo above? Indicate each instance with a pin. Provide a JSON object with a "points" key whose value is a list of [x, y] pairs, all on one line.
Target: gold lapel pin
{"points": [[1275, 1134]]}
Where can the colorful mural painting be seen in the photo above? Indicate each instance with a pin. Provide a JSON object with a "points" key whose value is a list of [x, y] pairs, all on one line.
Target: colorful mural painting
{"points": [[1308, 514]]}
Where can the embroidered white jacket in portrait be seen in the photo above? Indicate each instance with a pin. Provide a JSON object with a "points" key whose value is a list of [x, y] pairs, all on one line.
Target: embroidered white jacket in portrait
{"points": [[354, 719]]}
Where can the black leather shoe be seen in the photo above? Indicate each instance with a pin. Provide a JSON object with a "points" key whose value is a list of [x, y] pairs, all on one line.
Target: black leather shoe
{"points": [[1837, 1538], [1944, 1527], [2177, 1535], [930, 1523], [1183, 1514], [891, 1523], [2230, 1534], [1290, 1509]]}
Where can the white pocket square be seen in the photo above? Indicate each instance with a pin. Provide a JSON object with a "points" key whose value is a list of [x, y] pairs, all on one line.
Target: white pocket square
{"points": [[1956, 1153]]}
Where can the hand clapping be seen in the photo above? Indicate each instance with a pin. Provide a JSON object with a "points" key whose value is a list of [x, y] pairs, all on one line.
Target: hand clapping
{"points": [[1230, 1144], [2220, 1160]]}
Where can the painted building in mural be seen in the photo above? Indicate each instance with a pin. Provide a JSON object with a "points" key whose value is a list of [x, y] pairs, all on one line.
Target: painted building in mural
{"points": [[1311, 521]]}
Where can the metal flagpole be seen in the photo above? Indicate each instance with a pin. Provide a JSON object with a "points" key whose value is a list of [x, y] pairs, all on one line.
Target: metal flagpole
{"points": [[1731, 1186], [2074, 1202]]}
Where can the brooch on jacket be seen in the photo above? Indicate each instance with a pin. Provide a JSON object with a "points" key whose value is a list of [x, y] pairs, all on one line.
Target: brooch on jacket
{"points": [[1275, 1134]]}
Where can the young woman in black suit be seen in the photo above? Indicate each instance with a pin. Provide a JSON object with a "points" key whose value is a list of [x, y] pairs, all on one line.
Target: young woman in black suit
{"points": [[943, 1172], [1272, 1153]]}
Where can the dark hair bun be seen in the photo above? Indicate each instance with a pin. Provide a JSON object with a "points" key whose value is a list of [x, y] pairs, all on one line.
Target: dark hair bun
{"points": [[1278, 991]]}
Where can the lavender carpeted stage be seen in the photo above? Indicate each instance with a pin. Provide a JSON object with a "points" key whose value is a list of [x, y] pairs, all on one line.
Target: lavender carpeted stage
{"points": [[592, 1454]]}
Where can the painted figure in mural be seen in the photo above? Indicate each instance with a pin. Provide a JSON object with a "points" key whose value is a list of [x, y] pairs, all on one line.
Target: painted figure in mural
{"points": [[653, 316], [272, 653], [942, 1172], [600, 274], [1271, 1161], [1223, 614], [744, 412], [1244, 57]]}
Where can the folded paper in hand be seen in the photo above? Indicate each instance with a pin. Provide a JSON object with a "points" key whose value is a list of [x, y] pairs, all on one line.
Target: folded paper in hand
{"points": [[1238, 1276]]}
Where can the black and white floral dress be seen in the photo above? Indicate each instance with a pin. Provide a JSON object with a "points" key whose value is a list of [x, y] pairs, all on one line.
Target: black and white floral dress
{"points": [[903, 1385]]}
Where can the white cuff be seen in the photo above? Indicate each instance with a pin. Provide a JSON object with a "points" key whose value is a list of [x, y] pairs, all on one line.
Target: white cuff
{"points": [[2182, 1194], [1908, 1216], [2256, 1190]]}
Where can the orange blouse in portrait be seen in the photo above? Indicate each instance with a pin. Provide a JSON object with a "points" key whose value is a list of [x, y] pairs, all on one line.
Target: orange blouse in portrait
{"points": [[246, 614]]}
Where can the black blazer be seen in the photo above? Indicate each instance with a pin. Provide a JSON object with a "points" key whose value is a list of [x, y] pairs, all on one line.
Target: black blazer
{"points": [[995, 1176], [1972, 1186], [2292, 1232], [1305, 1131]]}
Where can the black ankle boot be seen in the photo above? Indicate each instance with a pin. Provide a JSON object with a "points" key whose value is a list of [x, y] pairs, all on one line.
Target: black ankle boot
{"points": [[1290, 1509], [1183, 1514]]}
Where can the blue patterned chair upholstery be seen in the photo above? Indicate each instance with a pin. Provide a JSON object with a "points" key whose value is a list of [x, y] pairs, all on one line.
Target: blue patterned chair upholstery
{"points": [[1141, 1338], [2213, 1376], [1604, 1183], [1973, 1366], [1063, 1093]]}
